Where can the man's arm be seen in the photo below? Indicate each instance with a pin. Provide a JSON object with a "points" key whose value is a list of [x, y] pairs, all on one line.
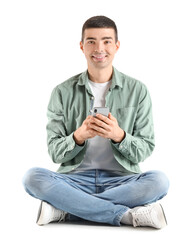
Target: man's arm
{"points": [[61, 147]]}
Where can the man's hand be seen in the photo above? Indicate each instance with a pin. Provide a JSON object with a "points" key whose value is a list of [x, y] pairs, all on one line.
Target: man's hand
{"points": [[107, 127], [85, 131]]}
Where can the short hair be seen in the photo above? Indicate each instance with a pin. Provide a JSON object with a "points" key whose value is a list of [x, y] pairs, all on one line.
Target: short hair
{"points": [[100, 22]]}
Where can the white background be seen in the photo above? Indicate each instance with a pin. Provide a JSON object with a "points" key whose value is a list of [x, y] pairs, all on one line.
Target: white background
{"points": [[39, 48]]}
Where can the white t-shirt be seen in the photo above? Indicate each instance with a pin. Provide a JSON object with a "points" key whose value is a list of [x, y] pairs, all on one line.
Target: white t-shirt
{"points": [[99, 153]]}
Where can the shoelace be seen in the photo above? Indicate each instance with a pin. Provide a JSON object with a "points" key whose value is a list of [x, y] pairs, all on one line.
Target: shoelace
{"points": [[62, 217], [142, 218]]}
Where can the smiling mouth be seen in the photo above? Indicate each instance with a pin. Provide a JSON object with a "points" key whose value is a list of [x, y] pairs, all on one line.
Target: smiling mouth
{"points": [[99, 58]]}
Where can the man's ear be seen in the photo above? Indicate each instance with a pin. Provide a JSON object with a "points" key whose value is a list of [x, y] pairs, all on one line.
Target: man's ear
{"points": [[117, 45], [81, 46]]}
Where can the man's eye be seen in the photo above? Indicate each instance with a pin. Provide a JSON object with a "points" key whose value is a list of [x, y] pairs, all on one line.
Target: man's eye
{"points": [[107, 42], [91, 42]]}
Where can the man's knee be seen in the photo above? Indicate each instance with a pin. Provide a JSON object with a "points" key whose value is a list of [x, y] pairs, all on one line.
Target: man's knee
{"points": [[160, 182], [33, 180]]}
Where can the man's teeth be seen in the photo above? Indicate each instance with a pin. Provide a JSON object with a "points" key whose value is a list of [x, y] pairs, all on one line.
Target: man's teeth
{"points": [[99, 56]]}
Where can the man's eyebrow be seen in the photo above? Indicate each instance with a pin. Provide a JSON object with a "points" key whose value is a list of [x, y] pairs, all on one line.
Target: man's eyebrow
{"points": [[104, 38], [92, 38]]}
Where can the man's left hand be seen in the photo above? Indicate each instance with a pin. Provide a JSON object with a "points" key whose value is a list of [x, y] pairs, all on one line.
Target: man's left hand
{"points": [[107, 127]]}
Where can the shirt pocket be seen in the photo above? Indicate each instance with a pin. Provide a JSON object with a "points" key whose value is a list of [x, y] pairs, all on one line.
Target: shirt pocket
{"points": [[126, 118]]}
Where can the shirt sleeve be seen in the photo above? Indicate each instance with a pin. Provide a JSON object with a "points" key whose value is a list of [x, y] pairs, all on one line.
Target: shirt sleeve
{"points": [[139, 144], [61, 147]]}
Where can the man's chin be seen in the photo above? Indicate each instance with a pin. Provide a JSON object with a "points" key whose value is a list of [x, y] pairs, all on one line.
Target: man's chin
{"points": [[100, 64]]}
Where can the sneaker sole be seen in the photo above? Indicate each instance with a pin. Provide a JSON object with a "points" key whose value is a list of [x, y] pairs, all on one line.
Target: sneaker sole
{"points": [[39, 215], [161, 215]]}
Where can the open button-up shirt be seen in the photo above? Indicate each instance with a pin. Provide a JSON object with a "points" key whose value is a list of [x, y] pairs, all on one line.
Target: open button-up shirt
{"points": [[129, 102]]}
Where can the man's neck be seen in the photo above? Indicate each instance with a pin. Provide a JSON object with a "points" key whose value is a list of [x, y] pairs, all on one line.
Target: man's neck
{"points": [[100, 75]]}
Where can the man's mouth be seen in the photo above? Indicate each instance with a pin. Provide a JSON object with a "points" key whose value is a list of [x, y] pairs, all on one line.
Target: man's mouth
{"points": [[99, 58]]}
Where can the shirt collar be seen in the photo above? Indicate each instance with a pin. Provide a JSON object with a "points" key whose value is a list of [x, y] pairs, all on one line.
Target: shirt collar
{"points": [[116, 79]]}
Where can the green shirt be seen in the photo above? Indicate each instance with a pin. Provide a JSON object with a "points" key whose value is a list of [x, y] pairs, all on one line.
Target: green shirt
{"points": [[129, 102]]}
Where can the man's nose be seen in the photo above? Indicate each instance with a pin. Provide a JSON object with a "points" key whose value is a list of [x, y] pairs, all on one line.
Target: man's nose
{"points": [[99, 47]]}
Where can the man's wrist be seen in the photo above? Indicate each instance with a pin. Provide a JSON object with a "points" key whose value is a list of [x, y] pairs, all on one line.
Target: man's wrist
{"points": [[121, 138], [78, 140]]}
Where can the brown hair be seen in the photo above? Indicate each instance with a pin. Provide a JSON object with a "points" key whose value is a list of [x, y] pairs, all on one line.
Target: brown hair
{"points": [[100, 22]]}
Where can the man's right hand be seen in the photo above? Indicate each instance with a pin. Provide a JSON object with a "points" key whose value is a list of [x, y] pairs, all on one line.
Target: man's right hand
{"points": [[84, 132]]}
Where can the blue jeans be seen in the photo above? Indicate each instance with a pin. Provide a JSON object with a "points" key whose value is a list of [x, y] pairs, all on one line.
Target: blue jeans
{"points": [[95, 195]]}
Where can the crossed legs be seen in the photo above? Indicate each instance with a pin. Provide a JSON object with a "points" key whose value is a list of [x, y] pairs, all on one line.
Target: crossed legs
{"points": [[96, 195]]}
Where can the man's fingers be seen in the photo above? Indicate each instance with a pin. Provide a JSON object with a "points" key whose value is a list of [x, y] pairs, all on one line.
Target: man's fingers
{"points": [[103, 118], [111, 117], [100, 123]]}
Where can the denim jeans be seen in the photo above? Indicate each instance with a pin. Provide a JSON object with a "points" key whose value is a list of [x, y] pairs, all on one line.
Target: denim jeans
{"points": [[96, 195]]}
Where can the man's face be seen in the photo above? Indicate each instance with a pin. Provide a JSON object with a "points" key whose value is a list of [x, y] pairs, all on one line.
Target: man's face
{"points": [[99, 47]]}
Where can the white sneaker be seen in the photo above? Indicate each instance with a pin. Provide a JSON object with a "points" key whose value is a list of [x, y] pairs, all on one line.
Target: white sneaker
{"points": [[48, 213], [151, 215]]}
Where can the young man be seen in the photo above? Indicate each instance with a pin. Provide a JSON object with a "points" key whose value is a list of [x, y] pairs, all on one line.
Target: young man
{"points": [[99, 178]]}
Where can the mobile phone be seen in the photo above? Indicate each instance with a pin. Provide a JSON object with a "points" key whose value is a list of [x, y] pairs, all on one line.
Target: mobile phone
{"points": [[101, 110]]}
